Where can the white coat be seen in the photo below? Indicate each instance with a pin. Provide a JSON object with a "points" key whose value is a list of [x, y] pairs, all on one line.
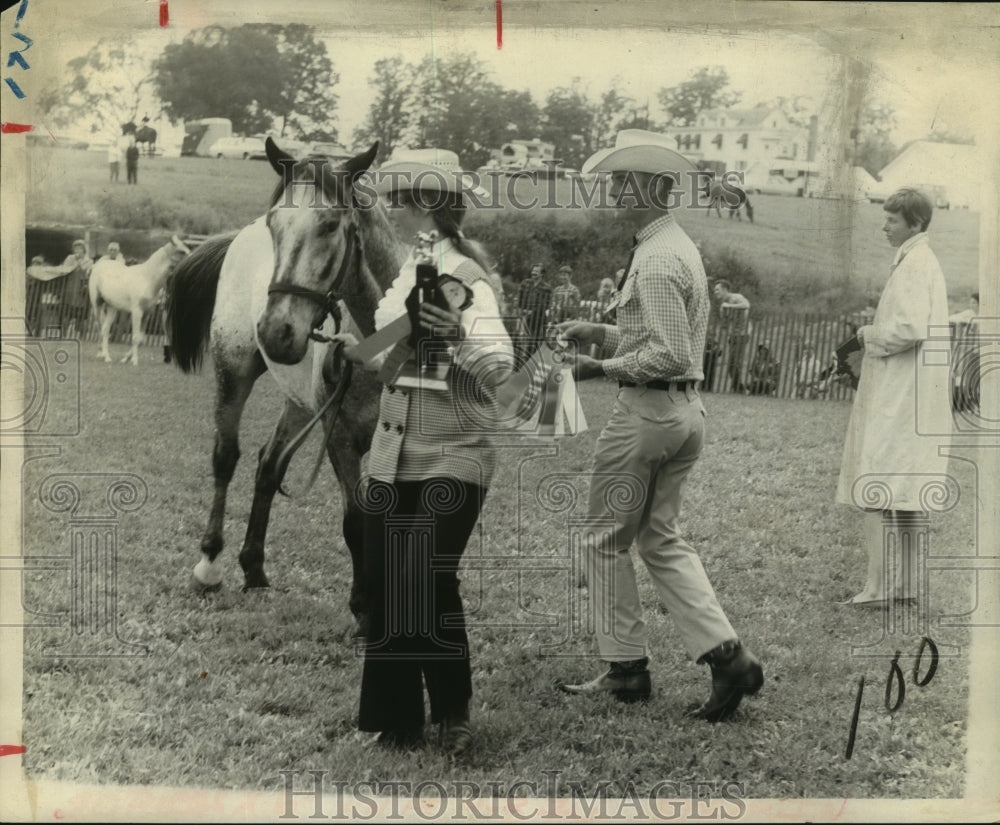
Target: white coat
{"points": [[902, 412]]}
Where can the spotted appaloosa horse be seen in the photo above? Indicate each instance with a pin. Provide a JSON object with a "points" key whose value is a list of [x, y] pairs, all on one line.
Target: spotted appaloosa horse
{"points": [[258, 297], [731, 197]]}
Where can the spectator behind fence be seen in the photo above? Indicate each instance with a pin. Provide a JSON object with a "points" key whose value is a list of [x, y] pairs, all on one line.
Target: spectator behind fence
{"points": [[965, 360], [764, 372], [888, 459], [734, 324], [74, 301], [605, 292], [533, 297], [807, 373], [565, 298]]}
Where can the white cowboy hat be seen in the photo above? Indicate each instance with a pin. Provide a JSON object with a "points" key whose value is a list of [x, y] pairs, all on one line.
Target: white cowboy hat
{"points": [[638, 150], [429, 170]]}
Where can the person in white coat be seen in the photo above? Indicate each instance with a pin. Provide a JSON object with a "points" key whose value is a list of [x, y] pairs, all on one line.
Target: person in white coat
{"points": [[889, 461]]}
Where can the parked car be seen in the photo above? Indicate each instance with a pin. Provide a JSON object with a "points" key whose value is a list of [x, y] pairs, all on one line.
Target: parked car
{"points": [[247, 148], [334, 151]]}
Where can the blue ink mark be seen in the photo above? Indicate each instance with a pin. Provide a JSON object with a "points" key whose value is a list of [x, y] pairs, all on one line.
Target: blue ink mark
{"points": [[16, 56], [20, 13], [14, 88]]}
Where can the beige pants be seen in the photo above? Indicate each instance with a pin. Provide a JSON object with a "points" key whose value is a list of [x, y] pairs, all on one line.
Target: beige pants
{"points": [[650, 444]]}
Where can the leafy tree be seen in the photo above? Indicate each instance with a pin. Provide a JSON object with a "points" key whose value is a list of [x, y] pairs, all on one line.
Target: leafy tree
{"points": [[254, 75], [456, 105], [388, 115], [578, 125], [106, 87], [705, 90], [308, 103], [873, 146]]}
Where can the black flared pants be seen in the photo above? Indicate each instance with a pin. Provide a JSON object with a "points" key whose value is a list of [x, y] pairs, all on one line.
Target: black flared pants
{"points": [[415, 534]]}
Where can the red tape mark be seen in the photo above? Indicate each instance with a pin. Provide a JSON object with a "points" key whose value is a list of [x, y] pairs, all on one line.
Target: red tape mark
{"points": [[499, 24], [15, 128], [12, 750], [164, 14]]}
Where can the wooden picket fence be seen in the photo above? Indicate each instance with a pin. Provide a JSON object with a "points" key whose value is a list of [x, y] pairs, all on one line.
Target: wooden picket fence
{"points": [[728, 366], [786, 336], [48, 315]]}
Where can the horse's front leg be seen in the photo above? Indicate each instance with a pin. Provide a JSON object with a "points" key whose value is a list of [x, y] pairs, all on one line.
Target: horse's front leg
{"points": [[138, 336], [107, 317], [232, 390], [346, 462], [271, 467]]}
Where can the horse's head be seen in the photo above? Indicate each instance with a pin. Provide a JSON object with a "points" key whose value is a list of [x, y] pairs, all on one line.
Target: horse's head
{"points": [[314, 233]]}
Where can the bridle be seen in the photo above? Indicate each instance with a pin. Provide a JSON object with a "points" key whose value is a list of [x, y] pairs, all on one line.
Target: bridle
{"points": [[328, 301]]}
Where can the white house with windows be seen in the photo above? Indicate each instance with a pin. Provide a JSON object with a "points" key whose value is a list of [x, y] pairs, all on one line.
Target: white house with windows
{"points": [[741, 139]]}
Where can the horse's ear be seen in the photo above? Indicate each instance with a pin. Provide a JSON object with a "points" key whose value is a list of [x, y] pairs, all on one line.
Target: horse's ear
{"points": [[276, 156], [358, 165], [179, 244]]}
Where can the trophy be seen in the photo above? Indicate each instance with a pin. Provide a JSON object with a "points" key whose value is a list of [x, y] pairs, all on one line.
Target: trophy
{"points": [[430, 358]]}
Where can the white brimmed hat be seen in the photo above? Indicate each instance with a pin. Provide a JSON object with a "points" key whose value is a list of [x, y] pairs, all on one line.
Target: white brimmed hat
{"points": [[428, 170], [638, 150]]}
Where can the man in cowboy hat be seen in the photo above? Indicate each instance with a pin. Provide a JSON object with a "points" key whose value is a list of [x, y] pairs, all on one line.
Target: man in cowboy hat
{"points": [[655, 434]]}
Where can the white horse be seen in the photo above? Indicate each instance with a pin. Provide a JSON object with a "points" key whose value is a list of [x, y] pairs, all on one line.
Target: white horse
{"points": [[133, 289]]}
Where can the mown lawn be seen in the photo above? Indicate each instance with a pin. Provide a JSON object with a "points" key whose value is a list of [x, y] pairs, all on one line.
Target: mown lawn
{"points": [[237, 687]]}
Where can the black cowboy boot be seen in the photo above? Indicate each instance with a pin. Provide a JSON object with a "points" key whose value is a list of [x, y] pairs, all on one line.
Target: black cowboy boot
{"points": [[735, 674], [626, 681]]}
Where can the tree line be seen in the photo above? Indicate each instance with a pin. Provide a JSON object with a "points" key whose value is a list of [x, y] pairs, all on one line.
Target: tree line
{"points": [[279, 78]]}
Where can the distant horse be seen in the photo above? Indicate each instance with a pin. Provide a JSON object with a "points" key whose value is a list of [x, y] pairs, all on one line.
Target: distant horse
{"points": [[146, 135], [293, 270], [731, 197], [133, 289]]}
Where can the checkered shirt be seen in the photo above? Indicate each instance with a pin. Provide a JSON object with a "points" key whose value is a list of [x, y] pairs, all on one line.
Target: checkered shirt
{"points": [[662, 310]]}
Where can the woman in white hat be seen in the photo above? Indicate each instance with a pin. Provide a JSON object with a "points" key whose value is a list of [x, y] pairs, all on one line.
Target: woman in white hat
{"points": [[430, 464]]}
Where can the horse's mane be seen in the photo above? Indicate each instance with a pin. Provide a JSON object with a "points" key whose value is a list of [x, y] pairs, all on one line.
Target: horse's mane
{"points": [[383, 253]]}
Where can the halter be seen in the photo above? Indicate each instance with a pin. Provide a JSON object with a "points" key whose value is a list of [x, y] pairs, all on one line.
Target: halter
{"points": [[328, 301]]}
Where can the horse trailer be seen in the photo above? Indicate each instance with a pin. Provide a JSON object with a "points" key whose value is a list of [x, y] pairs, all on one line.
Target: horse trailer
{"points": [[201, 135]]}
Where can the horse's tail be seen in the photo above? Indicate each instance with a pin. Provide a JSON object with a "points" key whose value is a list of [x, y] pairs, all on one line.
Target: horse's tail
{"points": [[191, 300]]}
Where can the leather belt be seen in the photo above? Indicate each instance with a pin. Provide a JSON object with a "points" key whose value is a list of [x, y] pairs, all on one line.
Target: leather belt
{"points": [[668, 386]]}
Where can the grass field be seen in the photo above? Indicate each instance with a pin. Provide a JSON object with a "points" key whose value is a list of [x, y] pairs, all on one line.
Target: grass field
{"points": [[809, 255], [237, 687]]}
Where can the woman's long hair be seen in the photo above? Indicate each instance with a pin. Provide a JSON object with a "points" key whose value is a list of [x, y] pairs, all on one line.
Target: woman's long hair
{"points": [[449, 210]]}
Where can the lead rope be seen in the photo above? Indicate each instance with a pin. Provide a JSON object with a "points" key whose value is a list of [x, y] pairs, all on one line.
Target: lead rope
{"points": [[336, 397]]}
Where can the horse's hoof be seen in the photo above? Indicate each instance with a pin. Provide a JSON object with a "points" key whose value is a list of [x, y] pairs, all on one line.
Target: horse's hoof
{"points": [[261, 588], [198, 586]]}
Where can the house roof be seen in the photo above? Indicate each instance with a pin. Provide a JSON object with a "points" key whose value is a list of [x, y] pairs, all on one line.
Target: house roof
{"points": [[935, 160], [741, 118]]}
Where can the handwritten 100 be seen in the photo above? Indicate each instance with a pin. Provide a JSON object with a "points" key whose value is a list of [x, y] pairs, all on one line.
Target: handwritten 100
{"points": [[895, 678]]}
